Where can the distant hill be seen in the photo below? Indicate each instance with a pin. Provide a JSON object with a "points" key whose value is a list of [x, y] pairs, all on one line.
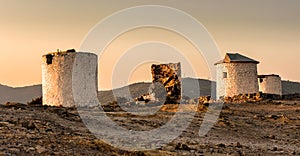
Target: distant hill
{"points": [[19, 94], [138, 89], [207, 87], [25, 94], [289, 87]]}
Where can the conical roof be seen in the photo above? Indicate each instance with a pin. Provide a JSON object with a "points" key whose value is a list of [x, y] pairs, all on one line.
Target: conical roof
{"points": [[236, 57]]}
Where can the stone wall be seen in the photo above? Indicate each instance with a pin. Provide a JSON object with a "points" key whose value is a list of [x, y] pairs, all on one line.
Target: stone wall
{"points": [[236, 78], [57, 70], [270, 84], [170, 76]]}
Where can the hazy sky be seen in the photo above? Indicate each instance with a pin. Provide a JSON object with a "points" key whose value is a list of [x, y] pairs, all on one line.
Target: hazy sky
{"points": [[266, 30]]}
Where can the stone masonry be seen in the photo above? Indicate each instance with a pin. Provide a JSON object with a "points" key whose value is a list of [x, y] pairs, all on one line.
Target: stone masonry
{"points": [[236, 74], [170, 76], [270, 84], [57, 71]]}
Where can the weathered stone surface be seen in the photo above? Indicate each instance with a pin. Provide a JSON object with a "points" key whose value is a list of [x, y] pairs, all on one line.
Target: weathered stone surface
{"points": [[270, 84], [57, 71], [241, 79], [236, 74], [170, 76]]}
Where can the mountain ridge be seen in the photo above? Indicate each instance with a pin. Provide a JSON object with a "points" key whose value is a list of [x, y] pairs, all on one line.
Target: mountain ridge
{"points": [[19, 94], [27, 93]]}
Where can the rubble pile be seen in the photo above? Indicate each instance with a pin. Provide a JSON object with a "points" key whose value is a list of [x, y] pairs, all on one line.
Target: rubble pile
{"points": [[243, 98], [295, 96], [256, 97], [204, 99], [145, 99]]}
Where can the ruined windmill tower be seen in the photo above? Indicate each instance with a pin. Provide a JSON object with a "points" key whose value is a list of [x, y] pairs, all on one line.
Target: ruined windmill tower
{"points": [[236, 74], [169, 75], [57, 70], [270, 84]]}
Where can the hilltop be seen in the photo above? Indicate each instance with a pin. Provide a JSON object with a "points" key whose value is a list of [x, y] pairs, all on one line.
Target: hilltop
{"points": [[19, 94], [290, 87]]}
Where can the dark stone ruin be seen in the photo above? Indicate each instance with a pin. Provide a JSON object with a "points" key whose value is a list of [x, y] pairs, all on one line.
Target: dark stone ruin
{"points": [[169, 75]]}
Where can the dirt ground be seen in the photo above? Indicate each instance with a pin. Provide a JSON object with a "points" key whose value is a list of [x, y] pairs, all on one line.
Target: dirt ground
{"points": [[264, 128]]}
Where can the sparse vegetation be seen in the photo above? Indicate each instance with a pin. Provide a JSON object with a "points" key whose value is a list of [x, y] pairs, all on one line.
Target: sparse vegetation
{"points": [[36, 101]]}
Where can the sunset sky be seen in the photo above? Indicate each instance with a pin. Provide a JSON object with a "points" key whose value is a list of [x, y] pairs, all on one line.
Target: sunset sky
{"points": [[265, 30]]}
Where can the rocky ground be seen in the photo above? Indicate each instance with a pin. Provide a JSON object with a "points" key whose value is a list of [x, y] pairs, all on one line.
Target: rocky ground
{"points": [[264, 128]]}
